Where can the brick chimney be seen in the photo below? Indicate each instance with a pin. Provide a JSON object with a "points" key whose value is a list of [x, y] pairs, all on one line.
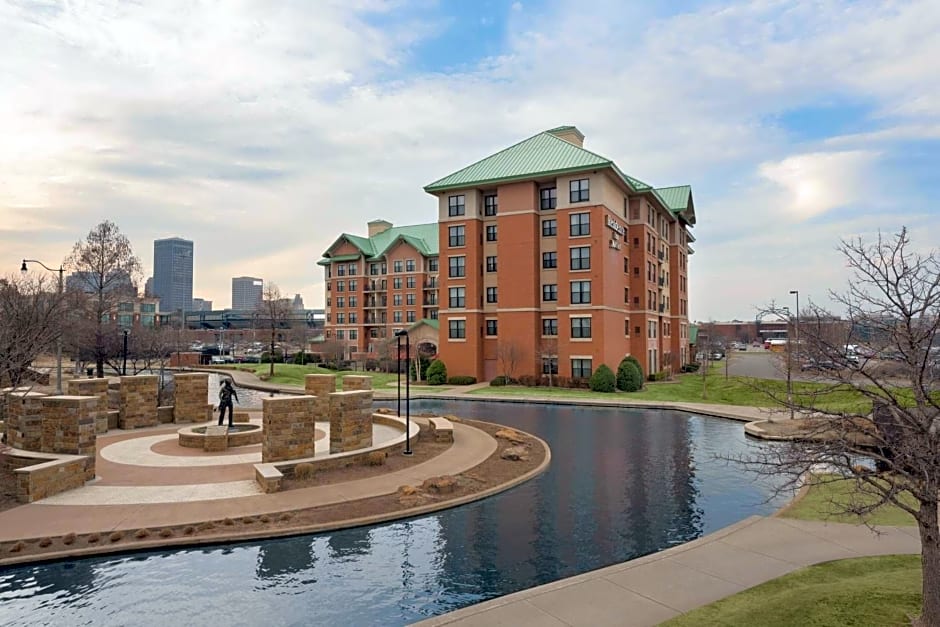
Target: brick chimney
{"points": [[570, 134], [378, 226]]}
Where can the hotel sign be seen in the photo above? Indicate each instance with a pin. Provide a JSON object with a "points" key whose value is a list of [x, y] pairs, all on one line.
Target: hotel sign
{"points": [[617, 227]]}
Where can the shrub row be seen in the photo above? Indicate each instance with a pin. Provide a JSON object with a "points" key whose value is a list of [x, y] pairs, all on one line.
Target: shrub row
{"points": [[461, 380]]}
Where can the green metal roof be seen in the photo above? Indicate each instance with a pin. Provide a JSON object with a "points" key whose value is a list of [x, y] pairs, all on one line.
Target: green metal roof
{"points": [[434, 324], [679, 201], [540, 155], [424, 237]]}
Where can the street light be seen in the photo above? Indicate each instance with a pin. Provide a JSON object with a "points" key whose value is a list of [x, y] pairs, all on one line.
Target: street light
{"points": [[58, 343], [124, 361], [797, 292], [789, 368], [398, 336]]}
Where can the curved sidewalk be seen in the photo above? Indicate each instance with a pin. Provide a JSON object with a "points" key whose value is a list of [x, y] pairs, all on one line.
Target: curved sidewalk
{"points": [[655, 588]]}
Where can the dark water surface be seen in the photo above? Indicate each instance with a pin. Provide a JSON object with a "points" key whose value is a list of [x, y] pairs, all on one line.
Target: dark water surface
{"points": [[622, 483]]}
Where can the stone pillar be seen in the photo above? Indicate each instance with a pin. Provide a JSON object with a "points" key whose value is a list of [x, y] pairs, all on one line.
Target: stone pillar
{"points": [[139, 401], [288, 425], [24, 420], [320, 385], [354, 382], [192, 390], [68, 426], [4, 393], [92, 387], [350, 420]]}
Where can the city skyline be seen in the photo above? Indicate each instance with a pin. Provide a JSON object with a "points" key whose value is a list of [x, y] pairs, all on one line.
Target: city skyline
{"points": [[792, 137]]}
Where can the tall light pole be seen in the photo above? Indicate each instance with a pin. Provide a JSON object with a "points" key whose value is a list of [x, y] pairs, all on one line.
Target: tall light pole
{"points": [[58, 342], [124, 361], [398, 336], [789, 367], [797, 293]]}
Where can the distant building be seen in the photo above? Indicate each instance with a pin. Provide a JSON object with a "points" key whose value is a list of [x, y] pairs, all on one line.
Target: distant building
{"points": [[117, 282], [201, 304], [298, 304], [135, 312], [173, 273], [148, 288], [246, 292]]}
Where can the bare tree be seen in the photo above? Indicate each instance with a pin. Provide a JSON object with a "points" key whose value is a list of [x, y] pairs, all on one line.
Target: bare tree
{"points": [[106, 266], [31, 311], [275, 311], [548, 349], [893, 303], [332, 352], [508, 355]]}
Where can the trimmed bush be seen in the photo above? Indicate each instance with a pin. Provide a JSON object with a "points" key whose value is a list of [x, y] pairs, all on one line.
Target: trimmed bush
{"points": [[461, 379], [437, 373], [499, 381], [629, 377], [636, 362], [303, 470], [603, 380]]}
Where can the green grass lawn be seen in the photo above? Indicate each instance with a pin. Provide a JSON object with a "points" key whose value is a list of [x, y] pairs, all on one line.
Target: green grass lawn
{"points": [[828, 495], [872, 591], [688, 388], [293, 374]]}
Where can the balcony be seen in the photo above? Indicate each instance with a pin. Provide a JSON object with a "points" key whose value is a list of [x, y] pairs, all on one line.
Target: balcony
{"points": [[662, 308], [662, 281], [661, 255]]}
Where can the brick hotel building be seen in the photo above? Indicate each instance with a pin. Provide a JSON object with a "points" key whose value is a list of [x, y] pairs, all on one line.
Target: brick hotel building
{"points": [[553, 260]]}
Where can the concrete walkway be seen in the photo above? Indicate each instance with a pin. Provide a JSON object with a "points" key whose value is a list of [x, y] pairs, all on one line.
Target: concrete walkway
{"points": [[655, 588]]}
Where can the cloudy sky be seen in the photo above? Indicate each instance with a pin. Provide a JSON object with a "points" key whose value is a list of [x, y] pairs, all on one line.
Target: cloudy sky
{"points": [[262, 130]]}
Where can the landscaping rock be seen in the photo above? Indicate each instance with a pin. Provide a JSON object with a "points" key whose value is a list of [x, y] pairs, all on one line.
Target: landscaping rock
{"points": [[440, 485], [516, 454], [510, 435]]}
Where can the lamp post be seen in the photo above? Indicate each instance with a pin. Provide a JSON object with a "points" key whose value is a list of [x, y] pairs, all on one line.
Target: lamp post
{"points": [[58, 342], [797, 293], [124, 359], [789, 368], [398, 336]]}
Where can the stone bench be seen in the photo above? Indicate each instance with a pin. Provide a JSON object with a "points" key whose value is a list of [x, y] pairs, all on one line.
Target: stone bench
{"points": [[39, 475], [442, 429], [268, 478], [216, 439]]}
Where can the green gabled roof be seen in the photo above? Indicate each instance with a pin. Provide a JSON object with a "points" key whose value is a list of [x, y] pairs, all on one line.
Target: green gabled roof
{"points": [[434, 324], [540, 155], [424, 237], [676, 198]]}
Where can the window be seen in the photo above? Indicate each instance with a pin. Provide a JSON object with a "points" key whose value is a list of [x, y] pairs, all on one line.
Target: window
{"points": [[373, 269], [581, 258], [580, 224], [147, 320], [491, 327], [549, 365], [457, 297], [353, 285], [340, 318], [353, 301], [547, 198], [340, 301], [340, 270], [456, 266], [340, 334], [491, 233], [409, 265], [410, 299], [396, 283], [549, 292], [456, 329], [581, 368], [550, 260], [455, 206], [396, 317], [328, 301], [410, 316], [549, 228], [126, 307], [626, 296], [125, 320], [384, 268], [353, 318], [456, 235], [396, 300], [489, 205], [579, 190], [341, 286], [580, 327], [626, 265], [580, 292], [352, 269], [432, 265], [353, 334], [491, 264], [549, 326], [397, 266], [410, 282], [148, 308], [491, 294]]}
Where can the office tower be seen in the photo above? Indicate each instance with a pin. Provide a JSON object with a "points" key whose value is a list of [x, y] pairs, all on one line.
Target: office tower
{"points": [[173, 273], [246, 292]]}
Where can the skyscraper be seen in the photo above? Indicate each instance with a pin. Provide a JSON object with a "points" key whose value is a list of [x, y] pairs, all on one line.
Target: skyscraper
{"points": [[173, 273], [246, 292]]}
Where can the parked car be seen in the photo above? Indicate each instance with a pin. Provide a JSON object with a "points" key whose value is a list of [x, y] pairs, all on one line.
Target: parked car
{"points": [[818, 364]]}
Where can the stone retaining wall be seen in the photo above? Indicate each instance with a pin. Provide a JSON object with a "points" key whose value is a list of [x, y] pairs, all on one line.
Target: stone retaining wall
{"points": [[36, 481], [68, 426], [320, 386], [355, 382], [192, 390], [24, 420], [92, 387], [350, 420], [289, 428], [139, 401]]}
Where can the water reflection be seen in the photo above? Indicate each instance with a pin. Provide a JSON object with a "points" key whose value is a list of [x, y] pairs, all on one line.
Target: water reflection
{"points": [[621, 484]]}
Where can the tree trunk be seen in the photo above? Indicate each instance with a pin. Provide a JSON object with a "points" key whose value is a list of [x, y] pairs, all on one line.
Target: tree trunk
{"points": [[930, 564], [271, 371]]}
